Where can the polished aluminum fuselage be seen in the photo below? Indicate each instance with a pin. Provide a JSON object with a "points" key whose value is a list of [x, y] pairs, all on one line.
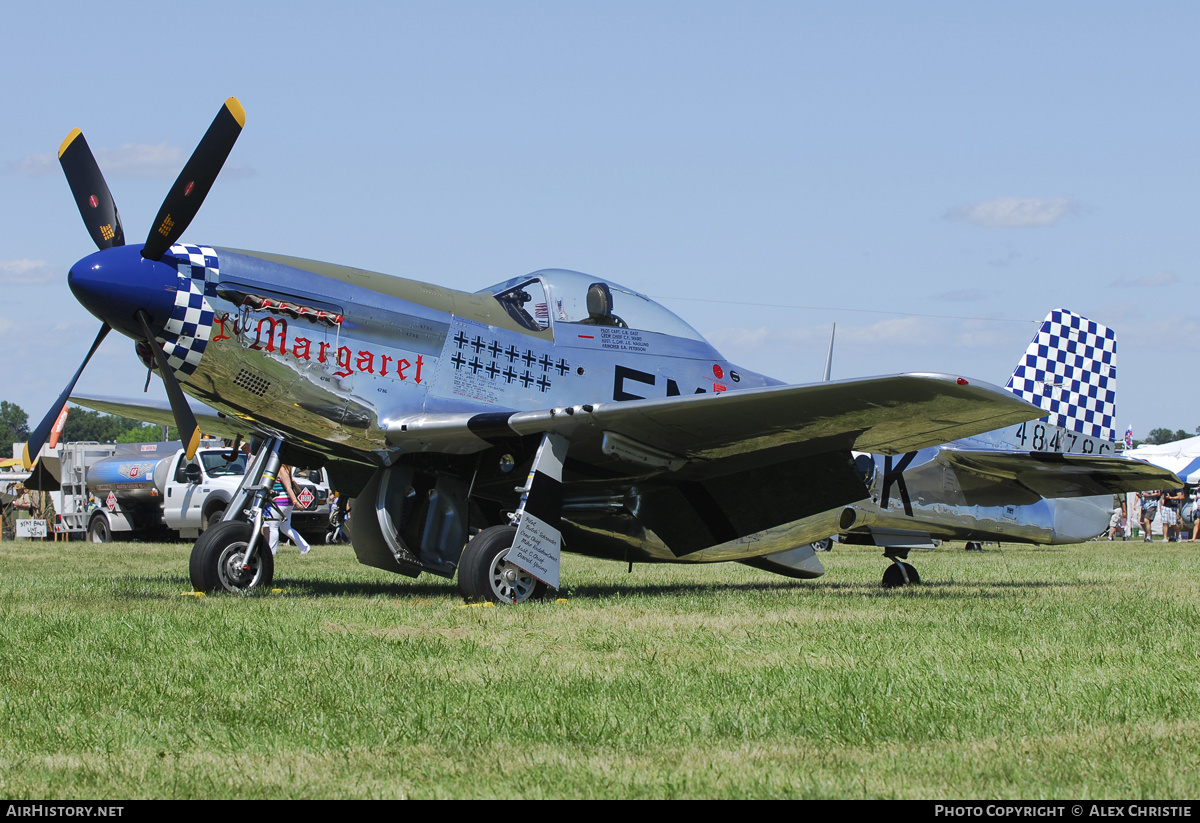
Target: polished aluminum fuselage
{"points": [[403, 349], [922, 492]]}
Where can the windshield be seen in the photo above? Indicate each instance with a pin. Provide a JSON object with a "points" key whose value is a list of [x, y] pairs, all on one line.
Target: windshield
{"points": [[565, 296], [215, 465], [525, 302]]}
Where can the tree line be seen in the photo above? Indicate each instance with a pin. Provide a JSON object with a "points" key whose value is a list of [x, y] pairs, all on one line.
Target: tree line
{"points": [[1157, 437], [82, 425]]}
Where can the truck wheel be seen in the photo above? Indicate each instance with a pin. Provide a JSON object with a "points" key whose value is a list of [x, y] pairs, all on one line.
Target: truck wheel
{"points": [[213, 518], [219, 559], [98, 531], [484, 574]]}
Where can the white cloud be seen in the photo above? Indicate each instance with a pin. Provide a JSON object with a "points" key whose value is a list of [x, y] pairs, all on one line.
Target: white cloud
{"points": [[25, 272], [162, 161], [36, 165], [738, 336], [1013, 212], [907, 331], [1116, 315], [141, 160], [1010, 258], [1162, 278]]}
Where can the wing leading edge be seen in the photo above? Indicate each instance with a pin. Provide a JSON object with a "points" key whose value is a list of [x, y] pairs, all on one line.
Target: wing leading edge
{"points": [[159, 412], [884, 415]]}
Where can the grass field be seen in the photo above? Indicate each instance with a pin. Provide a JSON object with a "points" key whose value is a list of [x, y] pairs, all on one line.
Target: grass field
{"points": [[1018, 672]]}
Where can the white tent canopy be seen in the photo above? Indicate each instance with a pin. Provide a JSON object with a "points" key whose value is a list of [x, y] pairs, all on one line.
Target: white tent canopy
{"points": [[1181, 457]]}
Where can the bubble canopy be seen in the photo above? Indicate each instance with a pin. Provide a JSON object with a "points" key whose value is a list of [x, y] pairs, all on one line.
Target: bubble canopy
{"points": [[550, 296]]}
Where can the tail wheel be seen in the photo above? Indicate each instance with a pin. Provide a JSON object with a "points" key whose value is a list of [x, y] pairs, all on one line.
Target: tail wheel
{"points": [[900, 574], [484, 573]]}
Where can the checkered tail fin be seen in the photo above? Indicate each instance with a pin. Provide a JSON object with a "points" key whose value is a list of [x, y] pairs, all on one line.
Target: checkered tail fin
{"points": [[1070, 370]]}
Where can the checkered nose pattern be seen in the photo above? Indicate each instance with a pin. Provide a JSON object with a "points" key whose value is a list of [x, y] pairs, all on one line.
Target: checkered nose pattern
{"points": [[185, 335], [1070, 370]]}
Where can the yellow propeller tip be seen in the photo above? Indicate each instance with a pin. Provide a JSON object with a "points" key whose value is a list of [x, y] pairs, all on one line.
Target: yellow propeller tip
{"points": [[235, 108], [68, 141], [193, 444]]}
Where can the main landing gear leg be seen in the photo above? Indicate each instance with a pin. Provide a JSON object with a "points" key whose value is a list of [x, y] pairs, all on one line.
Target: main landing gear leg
{"points": [[899, 573], [513, 564], [230, 556]]}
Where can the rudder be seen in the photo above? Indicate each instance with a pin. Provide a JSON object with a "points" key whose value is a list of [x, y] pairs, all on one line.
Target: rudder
{"points": [[1070, 371]]}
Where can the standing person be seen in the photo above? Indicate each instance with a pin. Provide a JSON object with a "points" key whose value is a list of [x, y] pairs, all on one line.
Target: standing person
{"points": [[24, 507], [9, 524], [1149, 507], [31, 504], [1117, 524], [22, 503], [1172, 502], [285, 500], [1196, 514]]}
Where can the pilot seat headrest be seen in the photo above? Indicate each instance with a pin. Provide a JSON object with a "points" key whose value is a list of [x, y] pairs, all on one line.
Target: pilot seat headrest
{"points": [[599, 301]]}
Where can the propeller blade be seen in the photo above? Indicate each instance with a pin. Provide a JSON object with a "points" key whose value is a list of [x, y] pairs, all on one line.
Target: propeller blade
{"points": [[185, 421], [95, 201], [199, 173], [38, 438]]}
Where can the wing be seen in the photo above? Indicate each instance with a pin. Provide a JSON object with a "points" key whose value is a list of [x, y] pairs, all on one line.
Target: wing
{"points": [[159, 411], [1058, 475], [883, 415]]}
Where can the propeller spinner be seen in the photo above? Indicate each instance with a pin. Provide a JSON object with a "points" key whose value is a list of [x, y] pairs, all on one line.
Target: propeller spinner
{"points": [[129, 306]]}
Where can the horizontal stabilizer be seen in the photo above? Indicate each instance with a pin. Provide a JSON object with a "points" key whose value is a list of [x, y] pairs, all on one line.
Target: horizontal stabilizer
{"points": [[1048, 474]]}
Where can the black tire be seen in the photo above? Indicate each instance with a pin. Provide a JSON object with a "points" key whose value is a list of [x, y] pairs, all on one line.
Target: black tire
{"points": [[218, 556], [823, 545], [484, 575], [213, 518], [98, 530], [893, 577]]}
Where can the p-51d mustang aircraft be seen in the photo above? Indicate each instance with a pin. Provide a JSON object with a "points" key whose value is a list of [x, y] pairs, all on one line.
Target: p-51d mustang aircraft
{"points": [[1048, 481], [554, 410]]}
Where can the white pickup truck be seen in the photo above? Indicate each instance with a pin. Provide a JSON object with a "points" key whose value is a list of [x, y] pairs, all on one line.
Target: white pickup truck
{"points": [[149, 491]]}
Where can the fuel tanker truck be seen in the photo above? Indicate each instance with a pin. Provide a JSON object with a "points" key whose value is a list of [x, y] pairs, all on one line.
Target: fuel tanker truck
{"points": [[145, 491]]}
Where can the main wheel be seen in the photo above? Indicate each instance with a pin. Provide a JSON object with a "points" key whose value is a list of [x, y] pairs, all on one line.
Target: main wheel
{"points": [[219, 559], [98, 530], [893, 576], [484, 572]]}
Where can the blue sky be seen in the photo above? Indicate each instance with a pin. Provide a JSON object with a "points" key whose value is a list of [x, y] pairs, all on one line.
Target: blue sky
{"points": [[933, 177]]}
